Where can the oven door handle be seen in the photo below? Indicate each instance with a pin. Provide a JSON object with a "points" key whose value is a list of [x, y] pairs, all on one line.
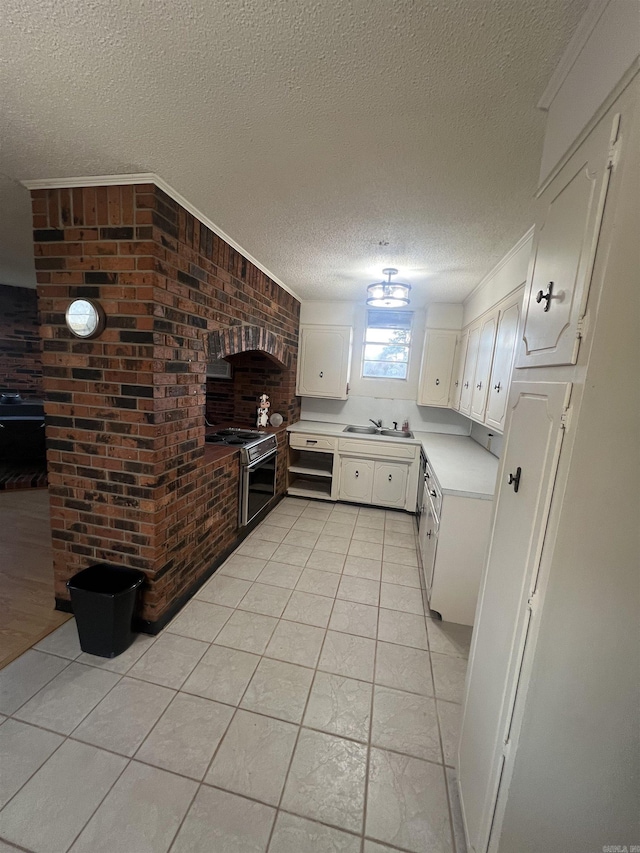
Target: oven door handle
{"points": [[254, 465]]}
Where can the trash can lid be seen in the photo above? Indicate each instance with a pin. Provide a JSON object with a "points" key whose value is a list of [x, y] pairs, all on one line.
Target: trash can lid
{"points": [[104, 579]]}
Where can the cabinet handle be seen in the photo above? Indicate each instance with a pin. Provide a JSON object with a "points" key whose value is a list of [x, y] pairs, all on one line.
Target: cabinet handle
{"points": [[546, 296], [437, 381], [311, 441], [479, 386], [466, 384], [457, 383], [390, 478], [357, 473], [427, 475], [429, 534], [433, 493], [321, 374], [497, 388], [514, 479]]}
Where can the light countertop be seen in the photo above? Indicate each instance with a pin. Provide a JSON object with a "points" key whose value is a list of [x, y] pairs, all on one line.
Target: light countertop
{"points": [[461, 466]]}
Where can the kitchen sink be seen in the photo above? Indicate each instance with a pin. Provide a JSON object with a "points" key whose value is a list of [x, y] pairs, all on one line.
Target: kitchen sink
{"points": [[370, 430], [362, 430]]}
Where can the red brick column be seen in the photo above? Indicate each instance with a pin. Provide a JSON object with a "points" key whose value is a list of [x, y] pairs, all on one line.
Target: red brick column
{"points": [[125, 425]]}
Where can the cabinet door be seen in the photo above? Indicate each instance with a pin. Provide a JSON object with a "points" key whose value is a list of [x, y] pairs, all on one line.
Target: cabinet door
{"points": [[437, 367], [429, 544], [471, 356], [356, 480], [502, 364], [457, 377], [532, 450], [565, 241], [389, 484], [483, 367], [324, 359]]}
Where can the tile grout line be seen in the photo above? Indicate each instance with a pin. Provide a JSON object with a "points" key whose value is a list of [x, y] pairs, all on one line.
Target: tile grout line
{"points": [[454, 845], [236, 707], [299, 732]]}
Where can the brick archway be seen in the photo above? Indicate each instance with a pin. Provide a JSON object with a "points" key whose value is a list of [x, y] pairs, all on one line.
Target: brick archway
{"points": [[238, 339]]}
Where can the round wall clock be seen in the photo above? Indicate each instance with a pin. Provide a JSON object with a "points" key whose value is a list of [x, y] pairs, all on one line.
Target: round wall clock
{"points": [[85, 318]]}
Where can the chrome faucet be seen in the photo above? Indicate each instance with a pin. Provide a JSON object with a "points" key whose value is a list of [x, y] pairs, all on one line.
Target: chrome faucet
{"points": [[377, 424]]}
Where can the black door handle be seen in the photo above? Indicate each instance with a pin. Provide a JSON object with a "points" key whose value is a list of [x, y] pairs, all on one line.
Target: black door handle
{"points": [[514, 479]]}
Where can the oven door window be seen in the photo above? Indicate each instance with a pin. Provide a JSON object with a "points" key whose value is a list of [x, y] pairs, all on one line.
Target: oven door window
{"points": [[261, 486]]}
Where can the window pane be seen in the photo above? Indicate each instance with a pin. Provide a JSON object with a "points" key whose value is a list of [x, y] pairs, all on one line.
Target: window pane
{"points": [[383, 318], [385, 336], [385, 369], [385, 353]]}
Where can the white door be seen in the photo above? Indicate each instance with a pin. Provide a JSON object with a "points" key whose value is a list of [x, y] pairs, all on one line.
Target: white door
{"points": [[389, 484], [323, 361], [502, 363], [356, 480], [530, 460], [437, 367], [483, 367], [564, 246], [471, 356]]}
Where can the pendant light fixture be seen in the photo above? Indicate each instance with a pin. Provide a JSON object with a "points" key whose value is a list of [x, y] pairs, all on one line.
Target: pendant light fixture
{"points": [[388, 294]]}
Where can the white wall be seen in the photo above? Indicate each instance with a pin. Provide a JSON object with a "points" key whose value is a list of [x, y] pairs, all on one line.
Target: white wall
{"points": [[611, 47], [503, 279], [389, 399]]}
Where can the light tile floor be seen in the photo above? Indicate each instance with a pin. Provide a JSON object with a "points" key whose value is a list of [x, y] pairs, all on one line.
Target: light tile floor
{"points": [[300, 703]]}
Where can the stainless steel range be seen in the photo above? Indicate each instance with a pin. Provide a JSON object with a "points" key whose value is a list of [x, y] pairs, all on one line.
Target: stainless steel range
{"points": [[258, 456]]}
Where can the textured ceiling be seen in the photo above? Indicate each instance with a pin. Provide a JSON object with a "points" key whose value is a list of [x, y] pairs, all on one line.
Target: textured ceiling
{"points": [[328, 138]]}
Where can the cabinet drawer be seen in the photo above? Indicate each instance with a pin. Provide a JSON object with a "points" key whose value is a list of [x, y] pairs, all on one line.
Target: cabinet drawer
{"points": [[377, 449], [433, 490], [311, 442]]}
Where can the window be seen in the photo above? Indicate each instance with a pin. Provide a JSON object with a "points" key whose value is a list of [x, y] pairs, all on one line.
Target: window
{"points": [[387, 340]]}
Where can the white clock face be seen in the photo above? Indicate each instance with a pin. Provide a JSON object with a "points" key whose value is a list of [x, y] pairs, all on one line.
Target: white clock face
{"points": [[83, 318]]}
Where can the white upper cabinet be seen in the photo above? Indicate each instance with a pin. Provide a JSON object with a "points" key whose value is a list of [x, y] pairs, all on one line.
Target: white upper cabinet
{"points": [[506, 337], [471, 357], [483, 366], [568, 221], [457, 376], [324, 361], [437, 367]]}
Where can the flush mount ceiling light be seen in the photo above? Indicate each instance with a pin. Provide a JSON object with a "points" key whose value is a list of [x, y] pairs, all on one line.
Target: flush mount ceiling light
{"points": [[388, 294]]}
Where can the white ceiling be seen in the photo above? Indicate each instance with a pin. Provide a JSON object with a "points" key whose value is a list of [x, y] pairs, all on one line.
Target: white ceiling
{"points": [[310, 131]]}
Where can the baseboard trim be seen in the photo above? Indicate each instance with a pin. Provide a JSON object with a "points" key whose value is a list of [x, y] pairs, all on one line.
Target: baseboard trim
{"points": [[146, 626]]}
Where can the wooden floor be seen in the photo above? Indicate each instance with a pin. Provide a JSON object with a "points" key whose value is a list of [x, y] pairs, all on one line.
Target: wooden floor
{"points": [[26, 574]]}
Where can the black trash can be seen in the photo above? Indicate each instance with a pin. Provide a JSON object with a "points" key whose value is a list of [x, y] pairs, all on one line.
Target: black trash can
{"points": [[104, 600]]}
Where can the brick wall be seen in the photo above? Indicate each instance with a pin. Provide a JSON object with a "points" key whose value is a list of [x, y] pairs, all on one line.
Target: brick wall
{"points": [[128, 480], [20, 348], [219, 401]]}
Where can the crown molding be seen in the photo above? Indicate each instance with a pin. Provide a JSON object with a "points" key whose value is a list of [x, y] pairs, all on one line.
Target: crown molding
{"points": [[580, 37], [152, 178], [494, 270]]}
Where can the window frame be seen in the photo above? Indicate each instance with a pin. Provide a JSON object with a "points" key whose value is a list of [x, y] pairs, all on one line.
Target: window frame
{"points": [[390, 312]]}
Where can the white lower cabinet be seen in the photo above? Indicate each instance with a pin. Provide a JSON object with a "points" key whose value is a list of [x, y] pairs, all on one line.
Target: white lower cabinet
{"points": [[356, 480], [453, 538], [368, 481], [389, 484], [428, 539], [364, 471]]}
